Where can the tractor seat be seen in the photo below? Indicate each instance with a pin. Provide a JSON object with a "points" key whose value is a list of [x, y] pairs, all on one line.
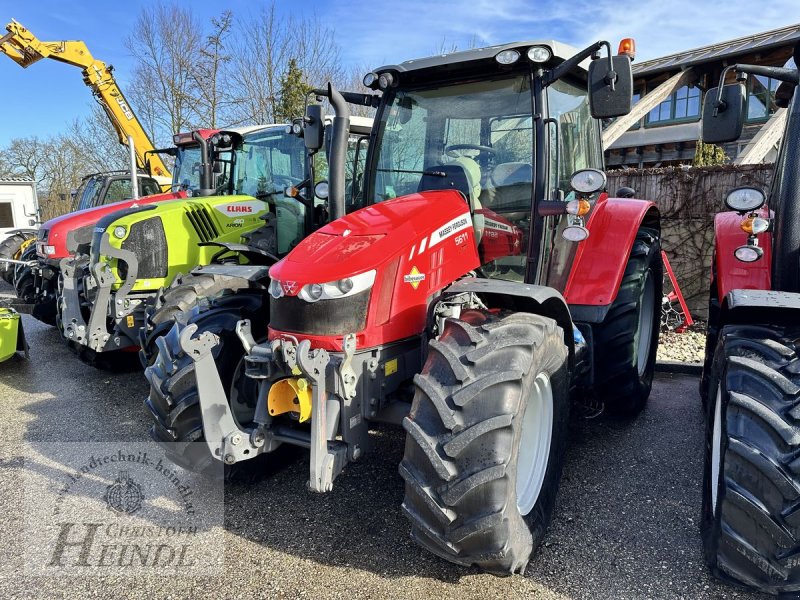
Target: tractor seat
{"points": [[463, 175], [510, 185]]}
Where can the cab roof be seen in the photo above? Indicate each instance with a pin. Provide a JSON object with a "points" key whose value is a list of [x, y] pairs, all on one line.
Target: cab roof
{"points": [[482, 56]]}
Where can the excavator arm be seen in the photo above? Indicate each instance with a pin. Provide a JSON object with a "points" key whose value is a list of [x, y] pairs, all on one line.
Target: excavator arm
{"points": [[24, 48]]}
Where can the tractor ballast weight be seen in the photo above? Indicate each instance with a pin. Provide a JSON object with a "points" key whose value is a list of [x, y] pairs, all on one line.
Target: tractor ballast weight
{"points": [[751, 375], [441, 306]]}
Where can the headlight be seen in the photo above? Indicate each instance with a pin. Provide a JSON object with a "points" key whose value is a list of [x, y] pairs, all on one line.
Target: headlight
{"points": [[745, 199], [119, 232], [588, 181], [507, 57], [48, 250], [341, 288], [748, 254], [539, 54]]}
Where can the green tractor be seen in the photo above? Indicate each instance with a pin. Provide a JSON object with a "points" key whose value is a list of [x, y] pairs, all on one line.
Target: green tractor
{"points": [[120, 270]]}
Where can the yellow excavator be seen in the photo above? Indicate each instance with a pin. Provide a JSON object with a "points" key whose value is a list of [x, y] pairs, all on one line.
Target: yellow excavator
{"points": [[24, 48]]}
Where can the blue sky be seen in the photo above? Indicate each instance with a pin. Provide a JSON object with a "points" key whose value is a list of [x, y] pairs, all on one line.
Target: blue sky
{"points": [[44, 98]]}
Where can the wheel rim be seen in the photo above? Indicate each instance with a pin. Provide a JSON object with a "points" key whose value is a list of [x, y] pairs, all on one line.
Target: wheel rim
{"points": [[716, 450], [645, 334], [534, 444]]}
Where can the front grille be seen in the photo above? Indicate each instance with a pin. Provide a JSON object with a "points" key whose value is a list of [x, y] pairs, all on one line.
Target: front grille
{"points": [[326, 317], [146, 239], [202, 222]]}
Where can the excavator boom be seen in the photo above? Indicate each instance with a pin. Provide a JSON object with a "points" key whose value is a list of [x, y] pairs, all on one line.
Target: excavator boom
{"points": [[24, 48]]}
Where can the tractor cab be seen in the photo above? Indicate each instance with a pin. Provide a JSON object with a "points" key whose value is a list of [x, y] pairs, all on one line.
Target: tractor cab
{"points": [[506, 127], [100, 189]]}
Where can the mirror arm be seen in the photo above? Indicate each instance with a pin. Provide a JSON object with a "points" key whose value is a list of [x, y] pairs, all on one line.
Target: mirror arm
{"points": [[572, 62], [372, 100]]}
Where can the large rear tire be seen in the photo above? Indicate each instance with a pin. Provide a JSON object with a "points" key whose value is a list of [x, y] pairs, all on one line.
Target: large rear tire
{"points": [[11, 248], [751, 489], [486, 436], [625, 343], [182, 296], [174, 402]]}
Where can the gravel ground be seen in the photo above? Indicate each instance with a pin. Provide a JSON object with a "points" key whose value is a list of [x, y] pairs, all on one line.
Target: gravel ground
{"points": [[689, 346], [625, 524]]}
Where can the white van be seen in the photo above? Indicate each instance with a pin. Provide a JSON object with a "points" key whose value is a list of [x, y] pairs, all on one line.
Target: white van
{"points": [[19, 219]]}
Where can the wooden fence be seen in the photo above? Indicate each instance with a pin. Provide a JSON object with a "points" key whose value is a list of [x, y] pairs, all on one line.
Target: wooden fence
{"points": [[688, 199]]}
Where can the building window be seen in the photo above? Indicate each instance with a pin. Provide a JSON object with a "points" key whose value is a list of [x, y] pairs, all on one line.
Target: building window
{"points": [[761, 97], [682, 105]]}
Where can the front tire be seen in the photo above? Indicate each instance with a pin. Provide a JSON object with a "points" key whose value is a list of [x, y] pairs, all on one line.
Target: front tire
{"points": [[182, 296], [751, 489], [174, 402], [625, 343], [486, 437], [12, 247]]}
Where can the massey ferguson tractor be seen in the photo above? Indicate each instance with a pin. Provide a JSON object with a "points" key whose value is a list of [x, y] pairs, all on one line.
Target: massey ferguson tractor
{"points": [[115, 281], [490, 282], [37, 277], [751, 380]]}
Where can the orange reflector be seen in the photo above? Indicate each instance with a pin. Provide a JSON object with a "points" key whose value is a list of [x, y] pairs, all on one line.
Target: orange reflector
{"points": [[578, 207], [627, 47], [292, 192]]}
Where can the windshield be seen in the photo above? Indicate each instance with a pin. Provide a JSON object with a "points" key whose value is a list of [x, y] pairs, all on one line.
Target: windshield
{"points": [[187, 169], [268, 162], [474, 137]]}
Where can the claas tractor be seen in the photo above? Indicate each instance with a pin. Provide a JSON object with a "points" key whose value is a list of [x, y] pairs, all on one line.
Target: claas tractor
{"points": [[37, 277], [751, 377], [117, 280], [489, 283], [299, 210]]}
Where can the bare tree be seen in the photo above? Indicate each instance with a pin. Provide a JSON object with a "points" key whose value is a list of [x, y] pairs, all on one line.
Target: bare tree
{"points": [[166, 45], [209, 73], [262, 55]]}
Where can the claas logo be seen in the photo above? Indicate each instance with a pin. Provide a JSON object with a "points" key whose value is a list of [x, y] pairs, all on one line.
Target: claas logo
{"points": [[239, 208]]}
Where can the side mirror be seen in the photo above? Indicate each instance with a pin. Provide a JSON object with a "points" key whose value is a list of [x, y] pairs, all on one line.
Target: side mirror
{"points": [[605, 103], [314, 127], [726, 125]]}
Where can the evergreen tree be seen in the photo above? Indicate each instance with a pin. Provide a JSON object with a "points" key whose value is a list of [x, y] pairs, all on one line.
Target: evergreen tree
{"points": [[292, 94]]}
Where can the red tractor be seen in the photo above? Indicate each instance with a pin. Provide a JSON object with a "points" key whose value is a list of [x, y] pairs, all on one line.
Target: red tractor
{"points": [[488, 282], [751, 379]]}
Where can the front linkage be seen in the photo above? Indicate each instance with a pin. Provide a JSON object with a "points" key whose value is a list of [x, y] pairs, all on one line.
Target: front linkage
{"points": [[308, 384], [124, 309]]}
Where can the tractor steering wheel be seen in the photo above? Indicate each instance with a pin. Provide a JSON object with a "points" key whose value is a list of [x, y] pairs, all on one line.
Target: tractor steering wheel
{"points": [[453, 150]]}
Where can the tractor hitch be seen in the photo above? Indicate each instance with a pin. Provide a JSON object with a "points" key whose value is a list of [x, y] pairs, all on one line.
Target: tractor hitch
{"points": [[278, 366]]}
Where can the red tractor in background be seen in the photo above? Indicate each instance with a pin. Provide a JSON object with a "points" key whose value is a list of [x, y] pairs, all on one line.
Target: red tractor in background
{"points": [[489, 282], [751, 378], [36, 280]]}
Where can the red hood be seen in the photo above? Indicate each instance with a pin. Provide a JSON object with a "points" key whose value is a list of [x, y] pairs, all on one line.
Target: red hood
{"points": [[58, 227], [370, 237]]}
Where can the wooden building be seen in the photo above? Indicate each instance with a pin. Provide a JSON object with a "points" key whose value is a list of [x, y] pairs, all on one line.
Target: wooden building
{"points": [[664, 126]]}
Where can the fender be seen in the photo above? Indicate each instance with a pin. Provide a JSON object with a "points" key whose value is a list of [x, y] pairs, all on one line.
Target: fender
{"points": [[600, 260], [525, 297], [760, 307], [23, 231], [733, 274]]}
